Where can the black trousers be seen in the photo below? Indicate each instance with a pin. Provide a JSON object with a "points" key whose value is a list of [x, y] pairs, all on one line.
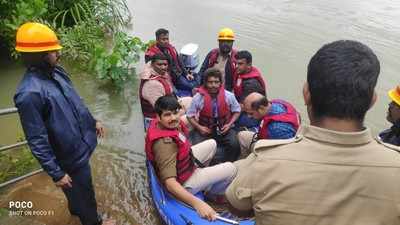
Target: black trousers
{"points": [[81, 197], [227, 143]]}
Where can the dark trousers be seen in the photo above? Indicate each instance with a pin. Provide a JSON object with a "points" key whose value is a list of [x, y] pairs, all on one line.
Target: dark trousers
{"points": [[81, 197], [227, 143]]}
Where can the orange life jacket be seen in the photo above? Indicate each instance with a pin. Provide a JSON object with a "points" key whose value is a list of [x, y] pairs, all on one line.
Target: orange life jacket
{"points": [[154, 50], [238, 80], [206, 117], [291, 116], [185, 165], [147, 108]]}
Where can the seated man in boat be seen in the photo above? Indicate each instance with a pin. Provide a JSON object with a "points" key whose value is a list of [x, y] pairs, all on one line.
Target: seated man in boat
{"points": [[333, 172], [213, 113], [155, 82], [222, 58], [247, 80], [177, 163], [176, 69], [392, 135], [279, 120]]}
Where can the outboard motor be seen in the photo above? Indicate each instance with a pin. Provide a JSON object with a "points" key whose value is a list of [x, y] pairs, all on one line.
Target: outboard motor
{"points": [[189, 56], [190, 79]]}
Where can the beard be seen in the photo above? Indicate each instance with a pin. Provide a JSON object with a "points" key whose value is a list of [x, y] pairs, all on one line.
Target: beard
{"points": [[225, 49]]}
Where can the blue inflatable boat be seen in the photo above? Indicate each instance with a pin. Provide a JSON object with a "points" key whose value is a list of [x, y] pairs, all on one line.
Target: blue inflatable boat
{"points": [[174, 212]]}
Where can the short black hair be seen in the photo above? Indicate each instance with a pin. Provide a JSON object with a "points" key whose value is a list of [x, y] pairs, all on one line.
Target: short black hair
{"points": [[263, 101], [166, 103], [244, 55], [159, 56], [212, 72], [161, 31], [341, 77]]}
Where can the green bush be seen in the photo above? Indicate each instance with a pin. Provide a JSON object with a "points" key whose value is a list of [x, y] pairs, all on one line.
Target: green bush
{"points": [[90, 32], [78, 41], [16, 13], [110, 14], [115, 65]]}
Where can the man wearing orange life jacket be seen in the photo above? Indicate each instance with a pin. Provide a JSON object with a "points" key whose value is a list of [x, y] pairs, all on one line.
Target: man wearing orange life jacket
{"points": [[279, 120], [162, 46], [155, 82], [174, 159], [213, 113], [222, 58], [247, 80]]}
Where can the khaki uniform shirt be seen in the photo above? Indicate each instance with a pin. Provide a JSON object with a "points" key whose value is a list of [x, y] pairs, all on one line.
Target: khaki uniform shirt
{"points": [[165, 151], [323, 177]]}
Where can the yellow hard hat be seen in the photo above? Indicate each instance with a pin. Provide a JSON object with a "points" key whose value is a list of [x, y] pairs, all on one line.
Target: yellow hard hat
{"points": [[36, 37], [394, 94], [226, 34]]}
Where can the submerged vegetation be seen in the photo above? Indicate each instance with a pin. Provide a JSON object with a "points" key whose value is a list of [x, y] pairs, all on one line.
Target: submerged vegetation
{"points": [[91, 32]]}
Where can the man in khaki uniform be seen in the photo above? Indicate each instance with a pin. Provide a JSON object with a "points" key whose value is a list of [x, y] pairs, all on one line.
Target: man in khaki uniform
{"points": [[333, 172], [168, 148]]}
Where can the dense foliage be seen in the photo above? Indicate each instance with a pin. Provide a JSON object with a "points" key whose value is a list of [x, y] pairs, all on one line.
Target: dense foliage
{"points": [[91, 32]]}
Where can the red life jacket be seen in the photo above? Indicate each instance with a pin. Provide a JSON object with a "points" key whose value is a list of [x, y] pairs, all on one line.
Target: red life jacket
{"points": [[214, 57], [238, 80], [154, 50], [291, 116], [147, 108], [184, 163], [206, 117]]}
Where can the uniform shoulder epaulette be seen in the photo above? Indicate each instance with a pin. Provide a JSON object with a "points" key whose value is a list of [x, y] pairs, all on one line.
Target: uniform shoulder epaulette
{"points": [[387, 145], [270, 143], [167, 140]]}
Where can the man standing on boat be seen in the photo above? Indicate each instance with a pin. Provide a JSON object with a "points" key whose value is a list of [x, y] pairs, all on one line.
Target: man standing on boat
{"points": [[169, 149], [60, 130], [279, 120], [222, 58], [333, 172], [392, 135], [213, 113]]}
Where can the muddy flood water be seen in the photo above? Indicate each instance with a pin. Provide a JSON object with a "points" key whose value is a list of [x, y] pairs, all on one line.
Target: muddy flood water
{"points": [[282, 35]]}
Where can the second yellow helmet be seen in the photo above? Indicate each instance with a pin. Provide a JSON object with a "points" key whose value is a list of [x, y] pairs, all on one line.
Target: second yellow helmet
{"points": [[394, 94], [226, 34]]}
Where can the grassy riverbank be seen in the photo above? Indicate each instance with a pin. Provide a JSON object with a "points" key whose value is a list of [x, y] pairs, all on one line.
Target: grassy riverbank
{"points": [[16, 162]]}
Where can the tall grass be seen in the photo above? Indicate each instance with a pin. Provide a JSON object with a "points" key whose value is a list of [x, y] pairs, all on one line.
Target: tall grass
{"points": [[91, 32]]}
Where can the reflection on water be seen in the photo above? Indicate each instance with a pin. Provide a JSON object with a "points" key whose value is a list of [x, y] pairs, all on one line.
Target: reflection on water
{"points": [[282, 36]]}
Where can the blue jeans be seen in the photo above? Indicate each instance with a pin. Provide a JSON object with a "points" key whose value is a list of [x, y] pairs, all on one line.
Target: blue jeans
{"points": [[81, 197]]}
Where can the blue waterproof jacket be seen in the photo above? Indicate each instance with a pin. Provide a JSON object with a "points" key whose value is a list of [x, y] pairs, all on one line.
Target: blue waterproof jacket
{"points": [[392, 135], [59, 128]]}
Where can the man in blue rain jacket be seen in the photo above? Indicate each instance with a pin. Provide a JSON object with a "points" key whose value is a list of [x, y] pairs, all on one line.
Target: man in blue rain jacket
{"points": [[61, 132]]}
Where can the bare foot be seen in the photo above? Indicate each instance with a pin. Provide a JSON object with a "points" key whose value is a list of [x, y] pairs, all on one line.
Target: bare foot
{"points": [[109, 222]]}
